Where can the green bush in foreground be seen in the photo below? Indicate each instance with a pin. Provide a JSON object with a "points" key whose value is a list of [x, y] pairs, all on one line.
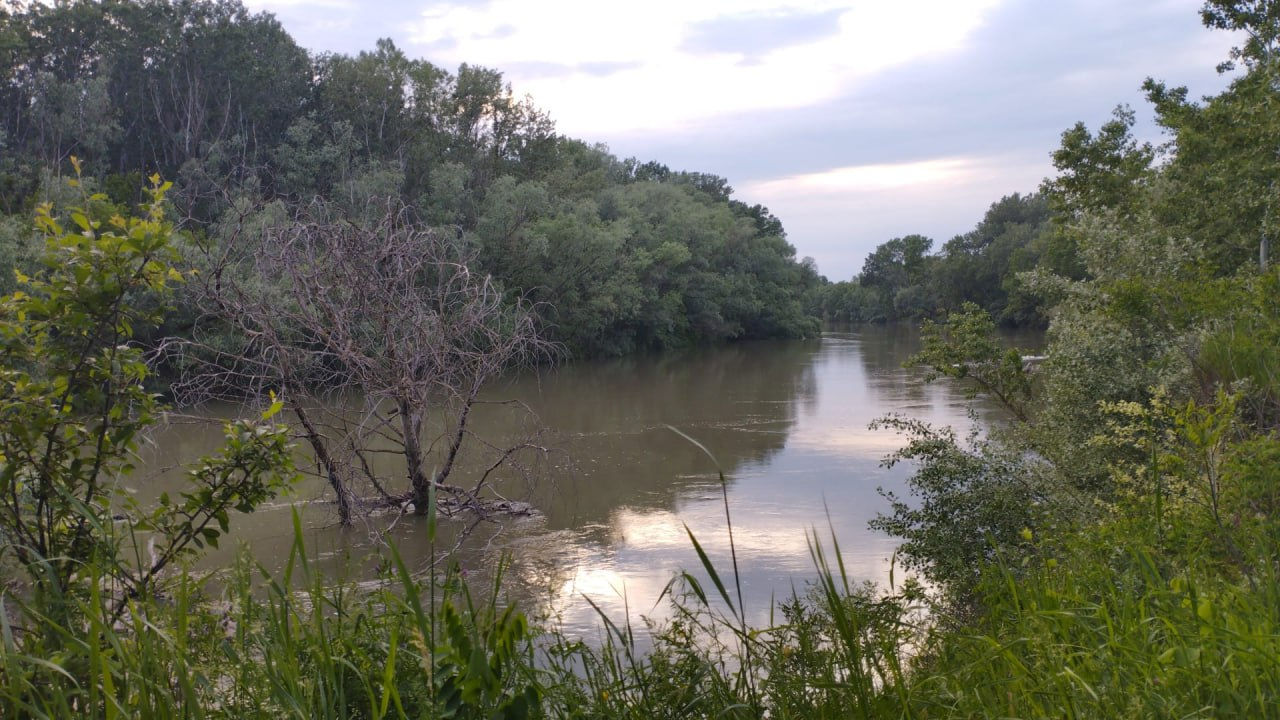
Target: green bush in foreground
{"points": [[73, 405]]}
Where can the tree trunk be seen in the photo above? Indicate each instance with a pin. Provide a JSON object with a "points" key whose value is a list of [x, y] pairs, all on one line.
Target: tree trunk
{"points": [[411, 424]]}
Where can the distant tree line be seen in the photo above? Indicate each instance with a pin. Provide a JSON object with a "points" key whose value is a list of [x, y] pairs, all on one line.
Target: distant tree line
{"points": [[904, 279], [1209, 189], [617, 255]]}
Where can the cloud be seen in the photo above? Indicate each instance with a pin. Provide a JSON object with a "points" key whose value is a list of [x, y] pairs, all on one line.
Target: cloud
{"points": [[672, 64], [531, 70], [754, 35], [866, 178], [278, 5], [842, 213]]}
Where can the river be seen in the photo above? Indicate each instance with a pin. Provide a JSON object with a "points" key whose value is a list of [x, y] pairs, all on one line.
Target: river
{"points": [[786, 421]]}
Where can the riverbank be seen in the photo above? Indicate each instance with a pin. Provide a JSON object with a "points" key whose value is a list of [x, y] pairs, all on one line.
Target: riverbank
{"points": [[1096, 627]]}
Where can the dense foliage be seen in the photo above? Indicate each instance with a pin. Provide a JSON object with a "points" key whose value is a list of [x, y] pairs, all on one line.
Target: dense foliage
{"points": [[620, 255], [902, 279], [73, 408]]}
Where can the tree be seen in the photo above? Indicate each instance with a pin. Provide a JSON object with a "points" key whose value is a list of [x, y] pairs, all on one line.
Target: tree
{"points": [[895, 266], [327, 306], [619, 255], [1220, 186], [981, 266], [964, 346], [1099, 171], [73, 403], [193, 75], [1259, 20]]}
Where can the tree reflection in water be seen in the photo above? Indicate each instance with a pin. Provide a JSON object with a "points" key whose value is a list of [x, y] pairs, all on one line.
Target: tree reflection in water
{"points": [[787, 421]]}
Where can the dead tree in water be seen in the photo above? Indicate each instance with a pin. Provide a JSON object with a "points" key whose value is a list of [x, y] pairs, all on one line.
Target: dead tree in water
{"points": [[327, 309]]}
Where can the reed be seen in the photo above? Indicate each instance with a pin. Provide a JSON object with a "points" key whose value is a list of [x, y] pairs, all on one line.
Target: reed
{"points": [[1097, 626]]}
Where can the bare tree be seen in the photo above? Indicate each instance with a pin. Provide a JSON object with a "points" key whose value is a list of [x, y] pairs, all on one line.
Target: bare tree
{"points": [[387, 312]]}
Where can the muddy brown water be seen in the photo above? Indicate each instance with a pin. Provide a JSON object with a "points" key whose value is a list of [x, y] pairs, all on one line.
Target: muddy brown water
{"points": [[786, 421]]}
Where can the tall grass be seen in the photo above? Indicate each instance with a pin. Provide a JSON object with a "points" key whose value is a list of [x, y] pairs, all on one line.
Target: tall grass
{"points": [[1108, 628], [305, 648]]}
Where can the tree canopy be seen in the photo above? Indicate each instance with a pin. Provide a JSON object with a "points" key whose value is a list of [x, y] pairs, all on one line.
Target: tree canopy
{"points": [[623, 255], [901, 279]]}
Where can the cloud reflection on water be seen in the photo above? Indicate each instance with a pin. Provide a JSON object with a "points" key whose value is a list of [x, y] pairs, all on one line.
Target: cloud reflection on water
{"points": [[824, 477], [787, 422]]}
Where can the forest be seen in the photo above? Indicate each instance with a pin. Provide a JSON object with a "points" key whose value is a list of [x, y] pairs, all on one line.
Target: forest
{"points": [[620, 255], [188, 195]]}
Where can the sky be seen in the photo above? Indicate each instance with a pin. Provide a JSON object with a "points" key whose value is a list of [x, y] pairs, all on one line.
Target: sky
{"points": [[854, 121]]}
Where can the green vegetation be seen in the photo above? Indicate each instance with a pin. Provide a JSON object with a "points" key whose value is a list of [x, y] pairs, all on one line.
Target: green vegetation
{"points": [[1111, 550], [619, 255], [73, 405], [901, 280]]}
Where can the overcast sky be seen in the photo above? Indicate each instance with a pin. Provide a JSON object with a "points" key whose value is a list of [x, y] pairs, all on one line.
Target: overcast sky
{"points": [[854, 121]]}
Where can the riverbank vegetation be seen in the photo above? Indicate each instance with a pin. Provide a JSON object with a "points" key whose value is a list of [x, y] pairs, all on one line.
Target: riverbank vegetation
{"points": [[1111, 550], [906, 278], [620, 255]]}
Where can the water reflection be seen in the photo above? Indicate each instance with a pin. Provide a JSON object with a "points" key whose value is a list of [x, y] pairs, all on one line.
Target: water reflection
{"points": [[787, 422]]}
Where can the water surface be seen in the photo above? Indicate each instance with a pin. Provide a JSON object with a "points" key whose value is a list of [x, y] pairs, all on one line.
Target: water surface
{"points": [[786, 421]]}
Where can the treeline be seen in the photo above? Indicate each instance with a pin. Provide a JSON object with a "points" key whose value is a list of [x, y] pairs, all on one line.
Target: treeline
{"points": [[618, 255], [1208, 185], [904, 279]]}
